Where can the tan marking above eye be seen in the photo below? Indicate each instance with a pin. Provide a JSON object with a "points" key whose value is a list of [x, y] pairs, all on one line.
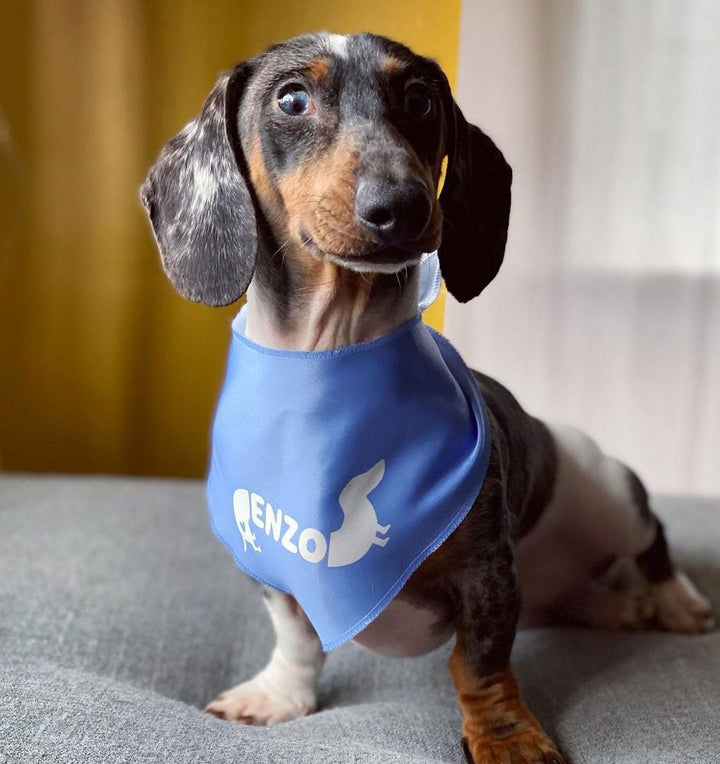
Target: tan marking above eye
{"points": [[392, 65], [318, 69]]}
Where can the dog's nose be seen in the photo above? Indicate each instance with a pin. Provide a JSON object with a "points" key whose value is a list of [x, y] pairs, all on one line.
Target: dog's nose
{"points": [[397, 213]]}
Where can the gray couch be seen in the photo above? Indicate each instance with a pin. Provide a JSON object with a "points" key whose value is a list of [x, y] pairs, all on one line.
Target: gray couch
{"points": [[121, 615]]}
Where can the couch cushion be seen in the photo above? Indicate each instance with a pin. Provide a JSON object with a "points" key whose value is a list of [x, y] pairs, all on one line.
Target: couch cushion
{"points": [[121, 616]]}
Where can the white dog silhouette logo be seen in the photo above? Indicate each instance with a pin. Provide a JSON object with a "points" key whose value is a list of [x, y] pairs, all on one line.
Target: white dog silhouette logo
{"points": [[241, 507], [358, 532], [348, 544]]}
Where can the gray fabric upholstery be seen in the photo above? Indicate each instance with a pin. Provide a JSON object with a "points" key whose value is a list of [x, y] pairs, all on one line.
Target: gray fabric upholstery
{"points": [[121, 616]]}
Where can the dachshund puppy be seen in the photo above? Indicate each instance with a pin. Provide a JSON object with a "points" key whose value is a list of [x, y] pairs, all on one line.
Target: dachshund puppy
{"points": [[311, 181]]}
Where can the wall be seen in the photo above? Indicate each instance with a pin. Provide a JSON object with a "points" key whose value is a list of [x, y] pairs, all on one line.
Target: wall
{"points": [[606, 312]]}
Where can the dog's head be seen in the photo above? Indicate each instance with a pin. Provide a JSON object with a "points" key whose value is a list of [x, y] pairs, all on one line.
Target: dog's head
{"points": [[328, 148]]}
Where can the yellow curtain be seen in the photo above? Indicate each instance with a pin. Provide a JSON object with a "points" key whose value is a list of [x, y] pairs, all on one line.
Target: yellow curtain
{"points": [[103, 368]]}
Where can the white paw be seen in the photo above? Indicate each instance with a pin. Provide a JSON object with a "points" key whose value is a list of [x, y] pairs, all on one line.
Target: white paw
{"points": [[257, 702], [282, 691], [678, 606]]}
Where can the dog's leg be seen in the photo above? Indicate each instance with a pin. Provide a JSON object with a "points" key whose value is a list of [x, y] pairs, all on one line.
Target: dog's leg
{"points": [[287, 687], [647, 591], [497, 726], [672, 601], [598, 555], [643, 588]]}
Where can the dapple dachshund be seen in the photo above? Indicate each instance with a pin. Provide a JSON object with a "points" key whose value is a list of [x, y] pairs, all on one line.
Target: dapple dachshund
{"points": [[311, 181]]}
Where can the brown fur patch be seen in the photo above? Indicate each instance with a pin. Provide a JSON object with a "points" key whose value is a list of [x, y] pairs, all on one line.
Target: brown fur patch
{"points": [[318, 69], [391, 65], [265, 191], [497, 726], [319, 198], [300, 197]]}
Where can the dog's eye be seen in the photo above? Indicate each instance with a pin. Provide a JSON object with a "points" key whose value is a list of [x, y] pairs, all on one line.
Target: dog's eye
{"points": [[418, 101], [294, 100]]}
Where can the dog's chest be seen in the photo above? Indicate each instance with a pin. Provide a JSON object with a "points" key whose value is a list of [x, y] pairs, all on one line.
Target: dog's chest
{"points": [[362, 496], [404, 630]]}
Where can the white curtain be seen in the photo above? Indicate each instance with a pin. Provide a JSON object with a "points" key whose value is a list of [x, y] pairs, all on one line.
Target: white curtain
{"points": [[606, 313]]}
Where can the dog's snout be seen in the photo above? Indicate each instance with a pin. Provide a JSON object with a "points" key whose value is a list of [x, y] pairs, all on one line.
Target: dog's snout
{"points": [[397, 213]]}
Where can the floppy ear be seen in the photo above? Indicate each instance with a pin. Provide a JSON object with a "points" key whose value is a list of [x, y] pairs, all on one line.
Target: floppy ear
{"points": [[476, 205], [199, 204]]}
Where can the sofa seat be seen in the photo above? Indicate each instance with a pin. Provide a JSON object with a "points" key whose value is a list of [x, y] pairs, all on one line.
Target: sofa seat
{"points": [[121, 615]]}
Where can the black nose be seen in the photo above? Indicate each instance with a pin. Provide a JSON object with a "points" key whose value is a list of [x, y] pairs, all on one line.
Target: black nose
{"points": [[397, 213]]}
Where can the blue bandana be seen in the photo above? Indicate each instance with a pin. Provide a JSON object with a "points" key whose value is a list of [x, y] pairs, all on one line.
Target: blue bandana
{"points": [[335, 474]]}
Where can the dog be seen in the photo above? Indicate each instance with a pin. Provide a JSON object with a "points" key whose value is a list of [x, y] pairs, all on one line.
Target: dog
{"points": [[311, 182]]}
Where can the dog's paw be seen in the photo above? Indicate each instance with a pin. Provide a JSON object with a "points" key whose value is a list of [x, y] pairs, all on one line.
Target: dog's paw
{"points": [[260, 702], [672, 605], [676, 605], [531, 746]]}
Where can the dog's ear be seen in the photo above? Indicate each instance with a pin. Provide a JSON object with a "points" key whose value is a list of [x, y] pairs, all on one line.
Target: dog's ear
{"points": [[199, 204], [475, 201]]}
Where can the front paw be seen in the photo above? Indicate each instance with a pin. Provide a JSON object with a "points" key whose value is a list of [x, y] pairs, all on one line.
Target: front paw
{"points": [[258, 702], [532, 746]]}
